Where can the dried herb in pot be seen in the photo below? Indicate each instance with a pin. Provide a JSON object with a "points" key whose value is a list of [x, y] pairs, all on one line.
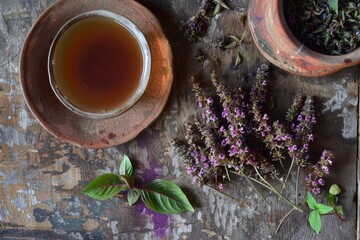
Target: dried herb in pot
{"points": [[330, 27]]}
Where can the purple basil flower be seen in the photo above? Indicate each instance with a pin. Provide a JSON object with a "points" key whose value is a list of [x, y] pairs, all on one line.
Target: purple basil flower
{"points": [[222, 156], [212, 118], [242, 131], [321, 182], [201, 172], [209, 101], [233, 150], [300, 118], [233, 133], [215, 163], [313, 120], [225, 142], [311, 137], [286, 137], [292, 148], [222, 129], [278, 138], [324, 155], [325, 169], [225, 113], [237, 113], [315, 191]]}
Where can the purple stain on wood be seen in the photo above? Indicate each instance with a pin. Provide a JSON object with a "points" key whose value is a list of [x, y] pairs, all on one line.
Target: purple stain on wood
{"points": [[150, 174], [160, 221]]}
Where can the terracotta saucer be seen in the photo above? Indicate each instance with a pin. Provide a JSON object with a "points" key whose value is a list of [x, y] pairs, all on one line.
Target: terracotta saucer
{"points": [[73, 128]]}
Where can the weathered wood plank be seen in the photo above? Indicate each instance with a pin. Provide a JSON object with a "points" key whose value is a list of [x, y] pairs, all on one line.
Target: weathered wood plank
{"points": [[41, 178]]}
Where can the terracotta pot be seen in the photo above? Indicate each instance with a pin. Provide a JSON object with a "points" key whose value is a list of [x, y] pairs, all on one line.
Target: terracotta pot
{"points": [[276, 42]]}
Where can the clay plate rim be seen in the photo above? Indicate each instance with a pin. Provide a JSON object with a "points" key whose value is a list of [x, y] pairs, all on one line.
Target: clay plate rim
{"points": [[99, 144]]}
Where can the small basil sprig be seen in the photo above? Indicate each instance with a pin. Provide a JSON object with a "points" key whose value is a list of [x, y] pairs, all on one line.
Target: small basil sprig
{"points": [[319, 209], [162, 196], [219, 5]]}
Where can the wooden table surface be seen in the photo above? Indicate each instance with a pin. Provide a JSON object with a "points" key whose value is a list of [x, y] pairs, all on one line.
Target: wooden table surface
{"points": [[41, 178]]}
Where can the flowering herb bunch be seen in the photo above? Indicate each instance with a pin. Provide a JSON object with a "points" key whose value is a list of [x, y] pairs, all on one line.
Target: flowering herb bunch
{"points": [[196, 25], [234, 135]]}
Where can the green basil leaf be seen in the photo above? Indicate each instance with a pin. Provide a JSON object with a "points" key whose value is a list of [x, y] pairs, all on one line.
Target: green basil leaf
{"points": [[105, 186], [234, 38], [315, 221], [323, 209], [165, 197], [331, 199], [224, 5], [340, 210], [334, 5], [217, 9], [335, 189], [238, 59], [127, 169], [133, 196], [232, 44], [311, 200]]}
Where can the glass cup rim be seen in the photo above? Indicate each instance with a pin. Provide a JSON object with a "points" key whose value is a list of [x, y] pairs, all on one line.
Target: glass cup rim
{"points": [[145, 75]]}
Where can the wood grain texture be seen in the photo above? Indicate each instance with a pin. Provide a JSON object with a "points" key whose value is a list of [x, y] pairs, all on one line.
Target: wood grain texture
{"points": [[41, 177]]}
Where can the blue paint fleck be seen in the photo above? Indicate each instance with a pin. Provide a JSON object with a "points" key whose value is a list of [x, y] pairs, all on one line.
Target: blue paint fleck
{"points": [[19, 202], [40, 214]]}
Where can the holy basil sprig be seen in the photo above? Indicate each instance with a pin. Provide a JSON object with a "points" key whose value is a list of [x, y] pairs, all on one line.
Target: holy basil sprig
{"points": [[319, 209], [162, 196]]}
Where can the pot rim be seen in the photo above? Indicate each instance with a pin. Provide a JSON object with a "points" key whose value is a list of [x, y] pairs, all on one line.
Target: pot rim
{"points": [[303, 47], [277, 43]]}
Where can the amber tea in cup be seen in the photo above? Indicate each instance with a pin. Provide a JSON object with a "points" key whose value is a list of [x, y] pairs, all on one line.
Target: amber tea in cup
{"points": [[99, 64]]}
